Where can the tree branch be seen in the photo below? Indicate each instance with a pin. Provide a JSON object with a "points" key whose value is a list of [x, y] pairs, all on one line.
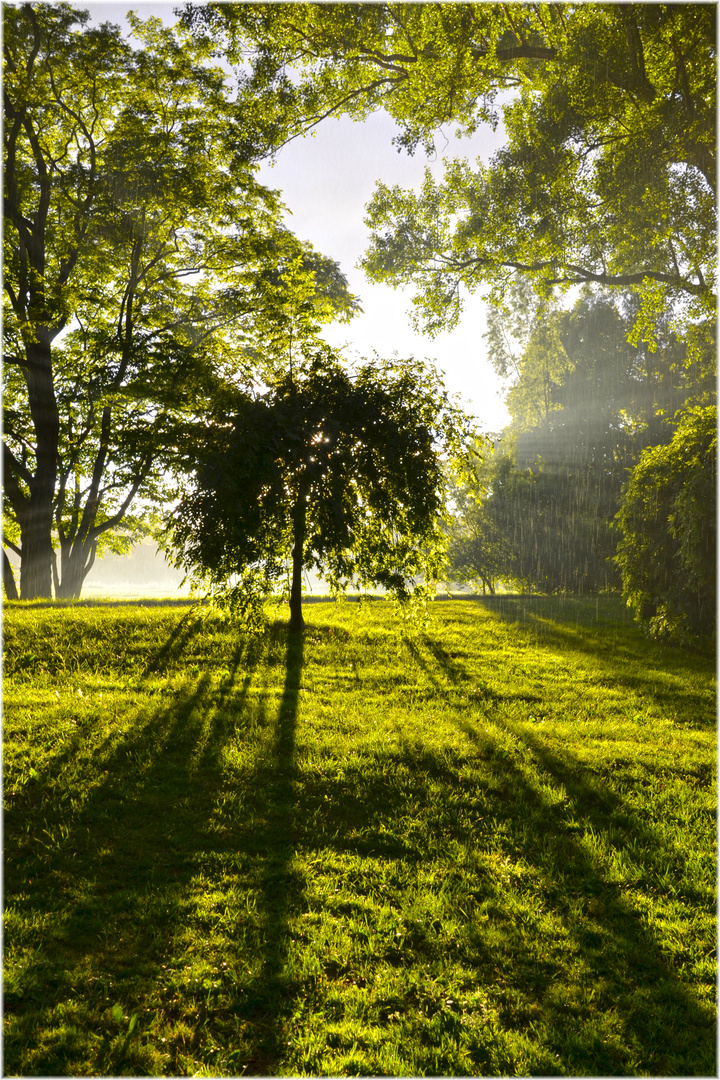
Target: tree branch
{"points": [[13, 547], [581, 274], [10, 462], [98, 530]]}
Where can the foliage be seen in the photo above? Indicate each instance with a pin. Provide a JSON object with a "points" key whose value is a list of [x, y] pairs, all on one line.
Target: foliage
{"points": [[584, 404], [486, 849], [480, 552], [538, 527], [608, 176], [667, 555], [142, 258], [607, 179], [426, 65], [334, 469]]}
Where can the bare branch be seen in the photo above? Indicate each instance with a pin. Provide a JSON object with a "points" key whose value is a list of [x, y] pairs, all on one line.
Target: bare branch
{"points": [[9, 544]]}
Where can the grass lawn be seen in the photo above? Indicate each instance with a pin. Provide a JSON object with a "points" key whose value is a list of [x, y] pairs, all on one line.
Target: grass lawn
{"points": [[482, 847]]}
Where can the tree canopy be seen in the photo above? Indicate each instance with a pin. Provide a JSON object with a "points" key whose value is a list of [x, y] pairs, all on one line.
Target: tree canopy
{"points": [[608, 176], [337, 469], [142, 263]]}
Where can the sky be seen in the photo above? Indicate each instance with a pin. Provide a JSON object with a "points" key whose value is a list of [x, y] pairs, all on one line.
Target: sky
{"points": [[326, 180]]}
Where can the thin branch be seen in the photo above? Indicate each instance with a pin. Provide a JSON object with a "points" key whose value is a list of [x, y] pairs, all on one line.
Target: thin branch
{"points": [[98, 530], [339, 104], [580, 272]]}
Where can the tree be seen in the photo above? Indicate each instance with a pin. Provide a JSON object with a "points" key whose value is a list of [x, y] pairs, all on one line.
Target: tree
{"points": [[337, 469], [584, 404], [667, 554], [480, 550], [535, 527], [609, 172], [427, 65], [608, 177], [142, 261]]}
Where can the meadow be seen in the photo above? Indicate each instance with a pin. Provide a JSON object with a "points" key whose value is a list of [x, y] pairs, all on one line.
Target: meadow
{"points": [[483, 845]]}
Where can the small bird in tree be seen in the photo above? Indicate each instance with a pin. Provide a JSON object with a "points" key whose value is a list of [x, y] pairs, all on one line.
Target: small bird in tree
{"points": [[338, 469]]}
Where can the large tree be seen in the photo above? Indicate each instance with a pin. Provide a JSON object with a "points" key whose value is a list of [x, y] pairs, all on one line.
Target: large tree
{"points": [[331, 468], [141, 261], [608, 176], [609, 172]]}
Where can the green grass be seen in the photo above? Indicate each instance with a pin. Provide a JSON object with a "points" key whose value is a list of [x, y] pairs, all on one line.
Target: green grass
{"points": [[482, 847]]}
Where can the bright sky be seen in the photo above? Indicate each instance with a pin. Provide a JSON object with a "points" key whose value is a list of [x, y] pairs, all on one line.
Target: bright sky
{"points": [[326, 181]]}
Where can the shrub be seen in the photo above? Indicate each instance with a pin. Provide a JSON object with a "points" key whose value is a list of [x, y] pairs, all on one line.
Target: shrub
{"points": [[667, 556]]}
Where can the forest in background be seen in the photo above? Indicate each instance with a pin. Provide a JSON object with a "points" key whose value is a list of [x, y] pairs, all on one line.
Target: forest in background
{"points": [[585, 401]]}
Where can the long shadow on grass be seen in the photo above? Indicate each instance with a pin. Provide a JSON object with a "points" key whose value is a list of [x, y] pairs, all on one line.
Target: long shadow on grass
{"points": [[558, 950], [114, 875], [664, 1031], [573, 625], [124, 898], [265, 1000], [661, 1019]]}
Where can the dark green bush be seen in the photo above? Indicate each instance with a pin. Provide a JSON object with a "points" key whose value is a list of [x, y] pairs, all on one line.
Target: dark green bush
{"points": [[667, 556]]}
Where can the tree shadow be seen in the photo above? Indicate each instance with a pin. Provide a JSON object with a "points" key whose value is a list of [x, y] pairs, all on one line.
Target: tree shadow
{"points": [[626, 660], [174, 645], [621, 953], [117, 876], [618, 946], [202, 797], [395, 810], [267, 998]]}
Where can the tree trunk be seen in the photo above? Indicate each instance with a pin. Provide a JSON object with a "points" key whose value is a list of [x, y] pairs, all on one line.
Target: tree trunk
{"points": [[37, 550], [36, 521], [11, 592], [75, 565], [296, 616]]}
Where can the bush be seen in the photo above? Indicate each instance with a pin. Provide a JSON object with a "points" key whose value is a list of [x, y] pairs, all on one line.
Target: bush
{"points": [[667, 556]]}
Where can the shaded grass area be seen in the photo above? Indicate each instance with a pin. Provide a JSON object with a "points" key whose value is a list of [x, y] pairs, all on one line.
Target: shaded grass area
{"points": [[482, 847]]}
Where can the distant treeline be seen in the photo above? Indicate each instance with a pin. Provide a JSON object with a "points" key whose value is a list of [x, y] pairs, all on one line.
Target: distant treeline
{"points": [[585, 402]]}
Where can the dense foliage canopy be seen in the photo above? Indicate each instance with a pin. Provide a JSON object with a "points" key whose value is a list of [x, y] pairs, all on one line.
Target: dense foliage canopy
{"points": [[667, 555], [584, 404], [608, 175], [609, 171], [334, 469]]}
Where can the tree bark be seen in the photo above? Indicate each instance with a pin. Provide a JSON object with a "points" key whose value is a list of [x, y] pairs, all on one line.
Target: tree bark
{"points": [[36, 521], [37, 551], [76, 562]]}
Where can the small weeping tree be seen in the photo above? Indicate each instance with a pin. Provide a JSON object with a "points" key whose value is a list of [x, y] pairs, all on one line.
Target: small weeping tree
{"points": [[332, 468]]}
